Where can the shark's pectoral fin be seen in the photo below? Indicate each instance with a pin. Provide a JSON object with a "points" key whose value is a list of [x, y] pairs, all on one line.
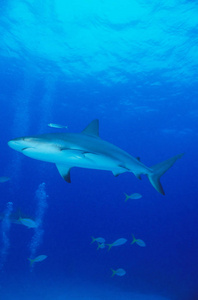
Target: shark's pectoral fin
{"points": [[64, 172]]}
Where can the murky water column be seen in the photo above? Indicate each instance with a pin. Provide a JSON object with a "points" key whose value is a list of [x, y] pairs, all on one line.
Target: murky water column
{"points": [[46, 116], [20, 126], [46, 104], [41, 198], [5, 228]]}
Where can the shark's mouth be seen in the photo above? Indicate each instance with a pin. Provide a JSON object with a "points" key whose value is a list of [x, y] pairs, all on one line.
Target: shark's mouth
{"points": [[27, 148]]}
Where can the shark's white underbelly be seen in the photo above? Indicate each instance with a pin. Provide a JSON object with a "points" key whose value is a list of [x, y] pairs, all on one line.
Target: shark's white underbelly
{"points": [[85, 159]]}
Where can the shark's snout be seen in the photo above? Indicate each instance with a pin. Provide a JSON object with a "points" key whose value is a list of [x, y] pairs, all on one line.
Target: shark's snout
{"points": [[17, 144]]}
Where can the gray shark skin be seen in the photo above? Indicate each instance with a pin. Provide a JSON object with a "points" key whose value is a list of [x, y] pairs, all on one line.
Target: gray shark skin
{"points": [[88, 150]]}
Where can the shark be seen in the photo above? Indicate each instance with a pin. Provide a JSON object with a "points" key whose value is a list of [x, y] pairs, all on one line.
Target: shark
{"points": [[87, 150]]}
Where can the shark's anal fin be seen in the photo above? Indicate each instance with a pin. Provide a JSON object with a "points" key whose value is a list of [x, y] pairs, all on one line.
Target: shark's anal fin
{"points": [[64, 172]]}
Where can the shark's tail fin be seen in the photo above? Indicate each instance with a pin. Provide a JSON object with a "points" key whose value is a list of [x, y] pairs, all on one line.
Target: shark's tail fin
{"points": [[159, 170]]}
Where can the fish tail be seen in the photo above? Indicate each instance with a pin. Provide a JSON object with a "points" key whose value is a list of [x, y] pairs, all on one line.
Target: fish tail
{"points": [[114, 272], [159, 170], [93, 240], [109, 245], [134, 240], [98, 246], [127, 197], [31, 261]]}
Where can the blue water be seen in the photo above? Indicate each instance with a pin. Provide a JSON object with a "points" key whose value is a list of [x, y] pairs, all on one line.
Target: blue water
{"points": [[133, 65]]}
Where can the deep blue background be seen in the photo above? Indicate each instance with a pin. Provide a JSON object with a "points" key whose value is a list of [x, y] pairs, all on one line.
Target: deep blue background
{"points": [[150, 111]]}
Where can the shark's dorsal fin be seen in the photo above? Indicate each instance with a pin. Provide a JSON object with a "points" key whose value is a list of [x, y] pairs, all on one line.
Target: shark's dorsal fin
{"points": [[64, 172], [92, 128]]}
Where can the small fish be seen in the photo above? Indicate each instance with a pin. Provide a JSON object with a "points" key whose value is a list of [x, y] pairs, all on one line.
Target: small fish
{"points": [[118, 242], [28, 222], [99, 240], [101, 245], [119, 272], [4, 179], [56, 125], [37, 259], [139, 242], [132, 196]]}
